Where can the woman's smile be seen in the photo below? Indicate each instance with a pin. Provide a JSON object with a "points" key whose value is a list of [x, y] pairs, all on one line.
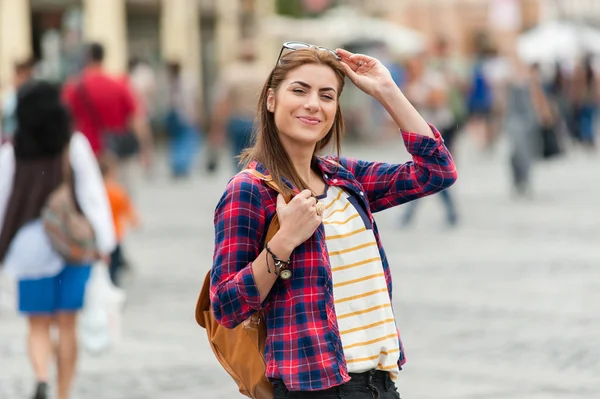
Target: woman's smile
{"points": [[309, 120]]}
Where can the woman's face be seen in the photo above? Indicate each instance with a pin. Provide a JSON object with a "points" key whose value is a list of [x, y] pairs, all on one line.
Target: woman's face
{"points": [[305, 104]]}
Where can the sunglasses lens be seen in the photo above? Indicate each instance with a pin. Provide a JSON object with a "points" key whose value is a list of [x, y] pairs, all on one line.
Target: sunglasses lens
{"points": [[296, 45], [292, 46]]}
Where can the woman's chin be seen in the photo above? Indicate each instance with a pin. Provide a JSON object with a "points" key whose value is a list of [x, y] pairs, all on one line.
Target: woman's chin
{"points": [[305, 137]]}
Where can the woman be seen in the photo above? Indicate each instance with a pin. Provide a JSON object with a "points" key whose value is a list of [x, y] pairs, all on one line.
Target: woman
{"points": [[30, 170], [330, 327]]}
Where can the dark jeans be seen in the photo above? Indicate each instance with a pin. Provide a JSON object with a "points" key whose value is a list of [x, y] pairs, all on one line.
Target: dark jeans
{"points": [[451, 216], [369, 385]]}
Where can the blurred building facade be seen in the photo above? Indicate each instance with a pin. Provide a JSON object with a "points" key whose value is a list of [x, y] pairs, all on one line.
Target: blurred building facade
{"points": [[461, 22], [201, 35]]}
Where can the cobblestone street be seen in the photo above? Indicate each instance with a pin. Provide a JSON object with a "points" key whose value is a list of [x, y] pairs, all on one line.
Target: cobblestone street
{"points": [[504, 306]]}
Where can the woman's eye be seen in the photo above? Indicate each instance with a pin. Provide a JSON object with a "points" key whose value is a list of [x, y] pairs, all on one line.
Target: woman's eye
{"points": [[298, 91], [328, 97]]}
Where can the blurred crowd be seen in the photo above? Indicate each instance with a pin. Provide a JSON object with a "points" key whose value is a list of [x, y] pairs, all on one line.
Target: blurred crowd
{"points": [[542, 111]]}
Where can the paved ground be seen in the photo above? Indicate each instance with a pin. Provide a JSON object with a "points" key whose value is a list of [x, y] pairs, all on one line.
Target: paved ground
{"points": [[503, 306]]}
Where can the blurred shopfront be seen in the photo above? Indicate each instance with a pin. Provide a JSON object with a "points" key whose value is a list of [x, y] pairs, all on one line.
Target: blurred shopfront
{"points": [[201, 35]]}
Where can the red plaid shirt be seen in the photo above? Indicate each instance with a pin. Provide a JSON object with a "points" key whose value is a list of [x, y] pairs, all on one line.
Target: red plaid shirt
{"points": [[303, 345]]}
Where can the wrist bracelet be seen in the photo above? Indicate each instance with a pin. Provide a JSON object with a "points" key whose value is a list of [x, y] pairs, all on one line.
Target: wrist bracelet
{"points": [[275, 258], [267, 260], [281, 266]]}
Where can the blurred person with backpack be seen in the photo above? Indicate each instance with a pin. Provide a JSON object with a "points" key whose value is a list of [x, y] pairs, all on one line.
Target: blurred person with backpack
{"points": [[528, 114], [322, 281], [104, 109], [46, 161]]}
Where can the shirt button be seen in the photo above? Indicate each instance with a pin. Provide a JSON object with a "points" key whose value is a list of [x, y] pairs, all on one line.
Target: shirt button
{"points": [[327, 177], [335, 180], [362, 194]]}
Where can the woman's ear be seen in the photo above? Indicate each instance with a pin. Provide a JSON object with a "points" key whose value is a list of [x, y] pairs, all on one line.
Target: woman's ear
{"points": [[271, 101]]}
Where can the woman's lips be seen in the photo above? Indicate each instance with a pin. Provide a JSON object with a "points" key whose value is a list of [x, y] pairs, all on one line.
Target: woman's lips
{"points": [[309, 121]]}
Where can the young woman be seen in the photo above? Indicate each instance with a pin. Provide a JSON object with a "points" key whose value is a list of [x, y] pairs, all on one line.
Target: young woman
{"points": [[30, 170], [330, 326]]}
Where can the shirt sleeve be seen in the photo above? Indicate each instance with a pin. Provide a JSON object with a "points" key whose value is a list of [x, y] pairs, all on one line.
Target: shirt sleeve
{"points": [[386, 185], [91, 192], [239, 228], [7, 176]]}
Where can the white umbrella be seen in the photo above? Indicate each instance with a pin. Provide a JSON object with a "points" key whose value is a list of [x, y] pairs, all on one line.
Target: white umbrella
{"points": [[345, 25], [557, 41]]}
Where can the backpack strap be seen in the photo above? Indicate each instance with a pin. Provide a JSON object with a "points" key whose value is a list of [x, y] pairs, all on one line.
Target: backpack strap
{"points": [[266, 178], [203, 303]]}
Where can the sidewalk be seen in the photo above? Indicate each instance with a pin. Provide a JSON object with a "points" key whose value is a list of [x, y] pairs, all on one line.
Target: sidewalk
{"points": [[506, 305]]}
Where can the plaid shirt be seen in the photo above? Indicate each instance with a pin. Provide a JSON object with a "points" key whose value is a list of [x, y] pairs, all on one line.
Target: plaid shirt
{"points": [[303, 346]]}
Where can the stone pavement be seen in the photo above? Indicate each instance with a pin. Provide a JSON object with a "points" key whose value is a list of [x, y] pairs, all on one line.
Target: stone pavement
{"points": [[505, 305]]}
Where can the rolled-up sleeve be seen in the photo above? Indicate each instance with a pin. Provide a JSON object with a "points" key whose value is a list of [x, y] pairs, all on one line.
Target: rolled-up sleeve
{"points": [[386, 185], [239, 226]]}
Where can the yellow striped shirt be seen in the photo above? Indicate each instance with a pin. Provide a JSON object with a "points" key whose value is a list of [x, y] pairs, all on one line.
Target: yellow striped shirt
{"points": [[362, 303]]}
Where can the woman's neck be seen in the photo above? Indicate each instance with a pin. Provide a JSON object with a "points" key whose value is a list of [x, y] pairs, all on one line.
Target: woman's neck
{"points": [[303, 165]]}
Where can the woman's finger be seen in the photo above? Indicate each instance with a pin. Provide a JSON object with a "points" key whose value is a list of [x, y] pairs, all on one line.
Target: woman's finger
{"points": [[346, 59], [351, 73], [343, 53]]}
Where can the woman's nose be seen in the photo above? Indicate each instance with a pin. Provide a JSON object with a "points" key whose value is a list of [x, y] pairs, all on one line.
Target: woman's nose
{"points": [[312, 103]]}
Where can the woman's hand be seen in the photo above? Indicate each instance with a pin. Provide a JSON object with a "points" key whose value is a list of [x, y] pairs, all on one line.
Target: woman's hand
{"points": [[372, 77], [298, 219], [367, 73]]}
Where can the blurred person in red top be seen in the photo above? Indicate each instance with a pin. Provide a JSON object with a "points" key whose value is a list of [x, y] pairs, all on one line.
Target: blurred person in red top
{"points": [[104, 110]]}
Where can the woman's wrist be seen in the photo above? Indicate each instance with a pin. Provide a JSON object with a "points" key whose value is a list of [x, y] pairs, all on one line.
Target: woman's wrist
{"points": [[281, 245], [385, 92]]}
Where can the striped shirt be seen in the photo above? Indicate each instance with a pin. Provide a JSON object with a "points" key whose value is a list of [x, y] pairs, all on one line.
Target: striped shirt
{"points": [[361, 299]]}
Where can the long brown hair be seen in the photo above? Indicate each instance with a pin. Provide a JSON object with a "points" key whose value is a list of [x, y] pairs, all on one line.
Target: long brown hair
{"points": [[267, 148]]}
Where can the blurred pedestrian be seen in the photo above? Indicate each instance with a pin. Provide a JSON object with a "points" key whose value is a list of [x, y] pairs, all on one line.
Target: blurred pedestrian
{"points": [[23, 73], [235, 107], [585, 95], [182, 120], [428, 89], [31, 169], [527, 113], [480, 99], [330, 325], [141, 80], [123, 212], [104, 110]]}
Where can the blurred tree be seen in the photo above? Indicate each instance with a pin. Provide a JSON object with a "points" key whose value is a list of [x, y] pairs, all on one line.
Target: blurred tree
{"points": [[290, 8]]}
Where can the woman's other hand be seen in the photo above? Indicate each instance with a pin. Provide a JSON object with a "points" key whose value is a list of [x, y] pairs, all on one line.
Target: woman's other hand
{"points": [[298, 219]]}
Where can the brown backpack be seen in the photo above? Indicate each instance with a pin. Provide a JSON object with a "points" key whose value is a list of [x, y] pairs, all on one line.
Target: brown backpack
{"points": [[69, 231], [240, 350]]}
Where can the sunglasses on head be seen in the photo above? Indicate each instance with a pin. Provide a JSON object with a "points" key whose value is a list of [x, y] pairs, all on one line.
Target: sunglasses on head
{"points": [[292, 46]]}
